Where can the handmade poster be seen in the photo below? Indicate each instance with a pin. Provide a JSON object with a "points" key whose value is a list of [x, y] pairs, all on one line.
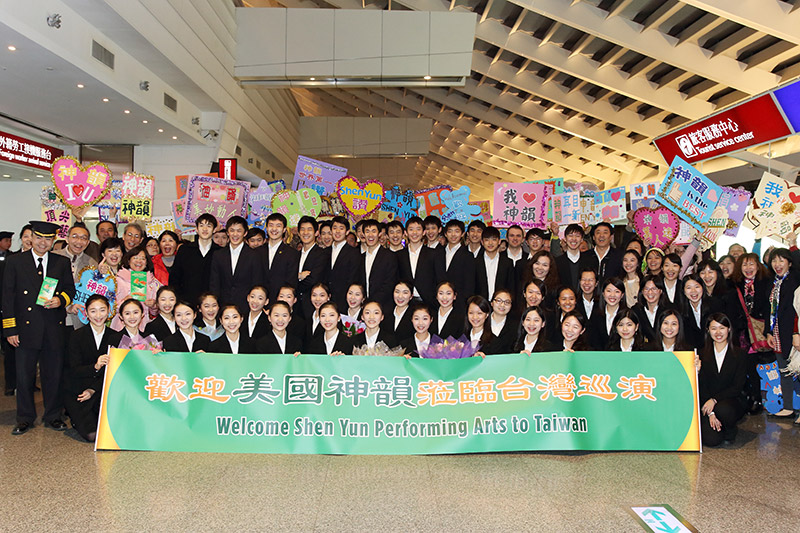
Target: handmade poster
{"points": [[262, 403], [47, 290], [553, 186], [137, 196], [260, 202], [49, 198], [295, 204], [92, 281], [774, 209], [430, 202], [684, 233], [79, 186], [178, 208], [714, 228], [588, 216], [216, 196], [331, 206], [658, 227], [113, 198], [316, 175], [610, 205], [643, 194], [403, 204], [360, 200], [277, 185], [157, 225], [566, 208], [61, 216], [520, 203], [383, 216], [486, 210], [458, 207], [736, 202], [136, 208], [138, 285], [689, 194], [182, 182], [108, 213]]}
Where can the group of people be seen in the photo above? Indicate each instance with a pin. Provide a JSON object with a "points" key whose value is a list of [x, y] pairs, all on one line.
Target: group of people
{"points": [[279, 291]]}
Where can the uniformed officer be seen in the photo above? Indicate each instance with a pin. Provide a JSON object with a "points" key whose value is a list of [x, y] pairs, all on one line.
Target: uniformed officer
{"points": [[37, 331], [8, 351]]}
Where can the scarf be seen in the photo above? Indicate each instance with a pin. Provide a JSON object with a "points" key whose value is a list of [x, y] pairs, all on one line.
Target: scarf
{"points": [[774, 302], [749, 294]]}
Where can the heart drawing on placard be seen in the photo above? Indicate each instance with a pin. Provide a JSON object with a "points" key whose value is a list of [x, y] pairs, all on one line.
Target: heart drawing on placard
{"points": [[294, 204], [615, 195], [529, 197], [657, 227], [78, 186], [359, 200], [795, 198]]}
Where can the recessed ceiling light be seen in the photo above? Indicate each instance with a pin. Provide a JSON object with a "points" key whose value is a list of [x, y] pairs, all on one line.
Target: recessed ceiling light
{"points": [[144, 122], [160, 130], [174, 138], [312, 79], [6, 175], [426, 77], [80, 86], [105, 99], [127, 111], [39, 176], [12, 48], [26, 179]]}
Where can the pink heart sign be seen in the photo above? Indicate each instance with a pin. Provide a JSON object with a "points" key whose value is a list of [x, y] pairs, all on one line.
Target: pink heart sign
{"points": [[78, 186], [657, 227]]}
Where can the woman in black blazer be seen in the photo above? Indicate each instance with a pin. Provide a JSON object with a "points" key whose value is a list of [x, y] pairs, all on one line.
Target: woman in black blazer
{"points": [[372, 315], [280, 316], [232, 341], [329, 321], [670, 270], [401, 328], [448, 321], [164, 324], [504, 326], [721, 379], [85, 367], [612, 299], [781, 323], [421, 319], [531, 337], [650, 303], [694, 302], [184, 320]]}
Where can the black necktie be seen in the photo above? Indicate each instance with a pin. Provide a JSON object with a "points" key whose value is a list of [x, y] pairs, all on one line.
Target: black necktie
{"points": [[40, 267]]}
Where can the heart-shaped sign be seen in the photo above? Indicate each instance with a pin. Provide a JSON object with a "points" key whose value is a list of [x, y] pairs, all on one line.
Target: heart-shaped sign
{"points": [[92, 281], [295, 204], [359, 200], [657, 227], [78, 186]]}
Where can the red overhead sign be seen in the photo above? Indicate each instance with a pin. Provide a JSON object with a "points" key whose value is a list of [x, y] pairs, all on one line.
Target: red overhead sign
{"points": [[227, 169], [754, 122], [27, 152]]}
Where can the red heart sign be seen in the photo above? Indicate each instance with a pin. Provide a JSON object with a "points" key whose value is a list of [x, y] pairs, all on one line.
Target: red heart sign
{"points": [[529, 197], [795, 198], [615, 195], [78, 189]]}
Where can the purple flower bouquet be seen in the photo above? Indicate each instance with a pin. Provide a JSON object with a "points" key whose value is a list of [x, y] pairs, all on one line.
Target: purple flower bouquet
{"points": [[450, 348], [139, 342]]}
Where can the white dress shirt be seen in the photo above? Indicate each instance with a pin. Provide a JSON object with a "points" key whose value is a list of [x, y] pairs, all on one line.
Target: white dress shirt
{"points": [[335, 249], [491, 271], [330, 343], [251, 323], [98, 337], [235, 344], [398, 318], [170, 324], [204, 249], [497, 327], [369, 260], [189, 339], [422, 344], [272, 249], [372, 339], [448, 255], [443, 319], [588, 305], [44, 262], [304, 256], [235, 253], [719, 357], [281, 341]]}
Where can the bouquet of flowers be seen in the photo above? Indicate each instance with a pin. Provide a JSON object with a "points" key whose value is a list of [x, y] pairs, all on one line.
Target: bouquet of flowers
{"points": [[450, 348], [351, 326], [380, 348], [139, 342]]}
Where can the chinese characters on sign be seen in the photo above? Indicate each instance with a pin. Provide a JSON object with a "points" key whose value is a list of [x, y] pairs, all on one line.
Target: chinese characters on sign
{"points": [[60, 216], [137, 196], [317, 175], [219, 197], [774, 208], [689, 194], [643, 194], [78, 186], [566, 208], [520, 203], [609, 205], [27, 152]]}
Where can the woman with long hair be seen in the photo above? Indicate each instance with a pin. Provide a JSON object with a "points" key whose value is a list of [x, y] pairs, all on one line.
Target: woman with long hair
{"points": [[612, 299], [669, 332], [651, 302], [626, 336], [632, 276], [696, 306], [530, 337]]}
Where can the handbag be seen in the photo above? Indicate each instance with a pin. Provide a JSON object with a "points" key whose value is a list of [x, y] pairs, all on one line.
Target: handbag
{"points": [[755, 328]]}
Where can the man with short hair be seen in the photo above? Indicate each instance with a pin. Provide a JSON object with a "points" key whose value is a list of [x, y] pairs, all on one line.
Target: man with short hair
{"points": [[568, 263], [280, 260], [603, 258], [312, 267], [459, 263], [378, 266], [536, 239], [344, 261], [235, 268], [394, 235], [77, 241], [493, 270], [433, 231], [474, 234], [37, 330], [132, 236], [191, 271], [417, 263], [105, 229], [255, 238]]}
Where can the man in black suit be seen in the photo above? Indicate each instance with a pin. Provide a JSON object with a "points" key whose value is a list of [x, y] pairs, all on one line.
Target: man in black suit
{"points": [[378, 266], [603, 258], [9, 365], [493, 270], [235, 268], [312, 267], [457, 262], [344, 261], [417, 263], [37, 330], [191, 270], [280, 260], [568, 263]]}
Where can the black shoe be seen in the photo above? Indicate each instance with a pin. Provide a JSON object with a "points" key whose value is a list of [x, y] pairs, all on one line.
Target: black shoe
{"points": [[9, 392], [21, 428], [757, 408], [56, 424]]}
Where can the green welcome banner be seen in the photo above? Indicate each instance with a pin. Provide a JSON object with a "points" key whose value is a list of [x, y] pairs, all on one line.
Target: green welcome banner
{"points": [[393, 405]]}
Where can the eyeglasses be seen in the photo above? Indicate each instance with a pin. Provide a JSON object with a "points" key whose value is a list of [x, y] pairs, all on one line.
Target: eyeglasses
{"points": [[502, 302], [129, 234]]}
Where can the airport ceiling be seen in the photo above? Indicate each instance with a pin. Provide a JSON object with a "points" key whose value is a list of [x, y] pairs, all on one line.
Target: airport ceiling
{"points": [[577, 88]]}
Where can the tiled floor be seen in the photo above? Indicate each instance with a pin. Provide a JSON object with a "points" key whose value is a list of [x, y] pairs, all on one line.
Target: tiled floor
{"points": [[51, 482]]}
